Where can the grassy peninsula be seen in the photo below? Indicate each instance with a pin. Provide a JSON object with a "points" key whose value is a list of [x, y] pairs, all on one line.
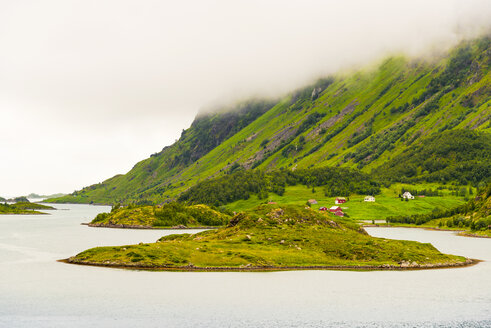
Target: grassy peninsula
{"points": [[172, 215], [273, 237], [23, 208]]}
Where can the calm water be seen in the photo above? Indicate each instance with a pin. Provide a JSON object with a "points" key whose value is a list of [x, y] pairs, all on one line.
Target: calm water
{"points": [[37, 291]]}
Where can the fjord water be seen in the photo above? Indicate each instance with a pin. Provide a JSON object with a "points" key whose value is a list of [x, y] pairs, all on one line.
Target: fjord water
{"points": [[37, 291]]}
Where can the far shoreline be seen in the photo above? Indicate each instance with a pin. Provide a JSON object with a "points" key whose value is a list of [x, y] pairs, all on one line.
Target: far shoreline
{"points": [[462, 233]]}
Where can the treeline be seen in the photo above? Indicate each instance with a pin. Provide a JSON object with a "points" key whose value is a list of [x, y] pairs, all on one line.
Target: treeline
{"points": [[454, 191], [423, 192], [475, 214], [462, 156], [242, 184]]}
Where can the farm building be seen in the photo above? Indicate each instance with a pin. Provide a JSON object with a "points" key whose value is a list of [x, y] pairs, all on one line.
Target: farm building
{"points": [[312, 201], [334, 209], [369, 199], [323, 208], [339, 213], [340, 200]]}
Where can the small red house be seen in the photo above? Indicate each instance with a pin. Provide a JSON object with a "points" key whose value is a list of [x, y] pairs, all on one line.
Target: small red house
{"points": [[334, 209], [340, 200], [323, 208]]}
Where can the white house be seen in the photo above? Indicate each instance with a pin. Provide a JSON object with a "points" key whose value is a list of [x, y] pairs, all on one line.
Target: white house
{"points": [[369, 199], [407, 195]]}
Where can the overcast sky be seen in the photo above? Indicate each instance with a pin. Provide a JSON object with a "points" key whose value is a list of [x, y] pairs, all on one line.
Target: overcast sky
{"points": [[88, 88]]}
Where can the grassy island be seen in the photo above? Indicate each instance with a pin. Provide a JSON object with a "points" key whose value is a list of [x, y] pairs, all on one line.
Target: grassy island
{"points": [[23, 208], [273, 237], [172, 215]]}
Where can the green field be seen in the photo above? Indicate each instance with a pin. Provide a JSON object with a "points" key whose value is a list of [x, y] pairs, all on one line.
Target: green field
{"points": [[387, 203], [473, 217]]}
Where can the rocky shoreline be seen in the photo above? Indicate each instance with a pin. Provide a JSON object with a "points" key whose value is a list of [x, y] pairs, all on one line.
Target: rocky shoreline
{"points": [[463, 233], [404, 265], [470, 234], [135, 226]]}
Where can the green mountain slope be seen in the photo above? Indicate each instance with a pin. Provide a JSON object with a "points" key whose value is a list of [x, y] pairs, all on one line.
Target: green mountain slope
{"points": [[358, 120], [455, 155]]}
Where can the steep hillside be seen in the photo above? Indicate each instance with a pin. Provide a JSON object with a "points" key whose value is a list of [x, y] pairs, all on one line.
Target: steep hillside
{"points": [[456, 155], [359, 120]]}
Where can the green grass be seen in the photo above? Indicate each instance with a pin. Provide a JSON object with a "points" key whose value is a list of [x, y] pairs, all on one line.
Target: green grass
{"points": [[164, 216], [473, 217], [386, 204], [271, 236]]}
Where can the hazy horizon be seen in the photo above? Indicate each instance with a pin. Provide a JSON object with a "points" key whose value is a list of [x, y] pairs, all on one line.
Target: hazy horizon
{"points": [[88, 89]]}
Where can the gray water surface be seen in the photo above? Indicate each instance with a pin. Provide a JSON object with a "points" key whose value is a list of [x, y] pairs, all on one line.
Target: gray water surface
{"points": [[37, 291]]}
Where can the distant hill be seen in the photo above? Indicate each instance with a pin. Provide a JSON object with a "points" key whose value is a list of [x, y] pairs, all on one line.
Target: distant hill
{"points": [[387, 120], [20, 199], [37, 196]]}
